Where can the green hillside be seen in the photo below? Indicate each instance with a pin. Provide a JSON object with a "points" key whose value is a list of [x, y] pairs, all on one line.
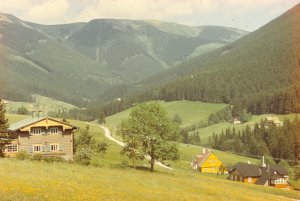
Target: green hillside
{"points": [[72, 182], [206, 132], [137, 49], [33, 63], [132, 183], [66, 181], [113, 158], [189, 112], [42, 103], [259, 72], [94, 56]]}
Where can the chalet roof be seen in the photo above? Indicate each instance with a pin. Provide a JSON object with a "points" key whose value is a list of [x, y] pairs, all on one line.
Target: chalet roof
{"points": [[279, 169], [203, 158], [263, 179], [20, 124], [247, 170]]}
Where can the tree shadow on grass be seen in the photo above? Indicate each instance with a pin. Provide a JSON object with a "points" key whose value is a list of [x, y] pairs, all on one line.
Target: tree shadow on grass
{"points": [[147, 169]]}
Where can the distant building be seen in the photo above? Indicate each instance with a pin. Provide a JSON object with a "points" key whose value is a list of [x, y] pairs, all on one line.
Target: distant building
{"points": [[236, 121], [275, 120], [44, 135], [273, 175], [208, 162]]}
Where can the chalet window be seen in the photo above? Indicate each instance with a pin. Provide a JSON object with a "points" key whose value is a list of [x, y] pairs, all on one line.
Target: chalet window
{"points": [[249, 179], [12, 148], [54, 147], [280, 181], [37, 148], [36, 131], [53, 130]]}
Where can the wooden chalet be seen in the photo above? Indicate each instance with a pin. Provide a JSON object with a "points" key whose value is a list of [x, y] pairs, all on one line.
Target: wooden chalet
{"points": [[46, 136], [208, 162], [273, 175]]}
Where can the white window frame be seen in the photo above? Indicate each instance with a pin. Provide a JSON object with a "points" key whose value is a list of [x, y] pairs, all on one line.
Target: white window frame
{"points": [[36, 131], [37, 148], [53, 130], [12, 147], [55, 146], [249, 179]]}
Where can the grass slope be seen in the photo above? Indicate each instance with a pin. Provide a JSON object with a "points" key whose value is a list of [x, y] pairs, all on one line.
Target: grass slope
{"points": [[62, 181], [218, 128], [189, 111], [25, 180], [40, 102]]}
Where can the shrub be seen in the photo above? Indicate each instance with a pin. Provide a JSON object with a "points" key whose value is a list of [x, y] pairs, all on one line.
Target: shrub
{"points": [[83, 156], [50, 159], [22, 155], [36, 157]]}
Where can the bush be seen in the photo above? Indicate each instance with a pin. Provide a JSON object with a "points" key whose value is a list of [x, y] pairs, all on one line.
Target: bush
{"points": [[297, 172], [36, 157], [50, 159], [22, 155], [83, 156], [22, 110]]}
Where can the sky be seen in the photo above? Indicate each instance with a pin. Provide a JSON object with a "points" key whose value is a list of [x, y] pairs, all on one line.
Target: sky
{"points": [[243, 14]]}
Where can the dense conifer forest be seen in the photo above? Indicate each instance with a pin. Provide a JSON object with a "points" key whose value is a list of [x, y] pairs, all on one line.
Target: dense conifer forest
{"points": [[264, 138]]}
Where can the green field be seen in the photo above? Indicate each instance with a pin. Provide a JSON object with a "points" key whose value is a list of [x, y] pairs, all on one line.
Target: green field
{"points": [[217, 128], [109, 180], [190, 112], [41, 103], [32, 181]]}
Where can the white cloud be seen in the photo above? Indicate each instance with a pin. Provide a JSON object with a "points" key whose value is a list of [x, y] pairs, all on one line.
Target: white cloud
{"points": [[236, 13], [48, 11], [13, 6], [141, 9]]}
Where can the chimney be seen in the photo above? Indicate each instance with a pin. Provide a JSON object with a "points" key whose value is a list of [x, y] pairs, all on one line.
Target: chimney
{"points": [[33, 114], [263, 162]]}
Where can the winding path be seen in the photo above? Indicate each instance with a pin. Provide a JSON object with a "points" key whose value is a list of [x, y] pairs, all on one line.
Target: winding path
{"points": [[109, 136]]}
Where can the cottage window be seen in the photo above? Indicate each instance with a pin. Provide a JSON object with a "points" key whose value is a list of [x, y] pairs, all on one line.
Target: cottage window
{"points": [[12, 148], [36, 131], [53, 130], [37, 148], [249, 179], [54, 147]]}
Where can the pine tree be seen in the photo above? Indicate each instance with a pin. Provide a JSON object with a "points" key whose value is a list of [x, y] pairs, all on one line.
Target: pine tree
{"points": [[3, 127]]}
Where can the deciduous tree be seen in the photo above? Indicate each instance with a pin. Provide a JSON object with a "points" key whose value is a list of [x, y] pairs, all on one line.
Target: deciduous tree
{"points": [[149, 131]]}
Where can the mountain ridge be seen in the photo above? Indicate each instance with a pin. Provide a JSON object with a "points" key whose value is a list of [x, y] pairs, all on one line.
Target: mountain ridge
{"points": [[259, 72], [97, 54]]}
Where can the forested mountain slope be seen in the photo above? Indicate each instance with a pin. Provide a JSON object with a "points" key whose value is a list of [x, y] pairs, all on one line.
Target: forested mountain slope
{"points": [[137, 49], [31, 63], [260, 72], [76, 62]]}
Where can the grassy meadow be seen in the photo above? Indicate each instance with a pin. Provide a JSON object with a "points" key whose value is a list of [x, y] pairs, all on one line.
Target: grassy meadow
{"points": [[42, 103], [110, 178], [29, 180], [191, 112], [204, 133]]}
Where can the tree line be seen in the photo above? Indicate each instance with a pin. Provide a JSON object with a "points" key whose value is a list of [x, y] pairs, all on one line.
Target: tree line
{"points": [[264, 138]]}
